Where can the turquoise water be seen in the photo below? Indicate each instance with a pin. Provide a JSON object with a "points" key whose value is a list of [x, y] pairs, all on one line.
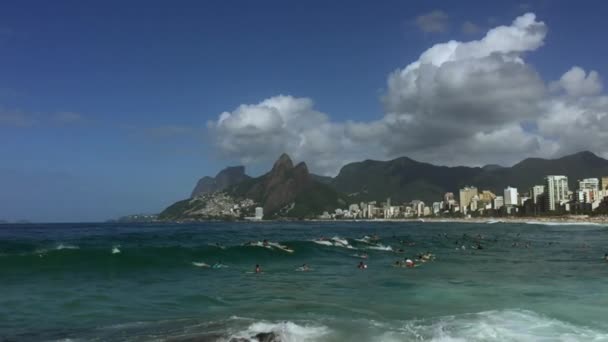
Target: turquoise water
{"points": [[110, 282]]}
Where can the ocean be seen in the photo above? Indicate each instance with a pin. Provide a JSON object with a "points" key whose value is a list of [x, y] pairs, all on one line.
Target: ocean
{"points": [[147, 282]]}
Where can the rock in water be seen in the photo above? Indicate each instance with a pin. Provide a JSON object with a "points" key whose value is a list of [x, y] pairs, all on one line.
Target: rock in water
{"points": [[268, 337]]}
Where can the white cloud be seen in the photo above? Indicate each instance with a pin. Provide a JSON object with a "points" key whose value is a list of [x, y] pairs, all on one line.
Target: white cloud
{"points": [[458, 103], [575, 82], [435, 21]]}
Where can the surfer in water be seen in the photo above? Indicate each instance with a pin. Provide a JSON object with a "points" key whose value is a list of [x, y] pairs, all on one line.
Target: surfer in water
{"points": [[265, 243], [605, 256], [361, 265], [304, 268], [409, 263], [258, 269]]}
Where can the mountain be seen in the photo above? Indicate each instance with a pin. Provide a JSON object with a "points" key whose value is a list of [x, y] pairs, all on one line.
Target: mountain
{"points": [[404, 179], [289, 190], [285, 191], [225, 178], [532, 171]]}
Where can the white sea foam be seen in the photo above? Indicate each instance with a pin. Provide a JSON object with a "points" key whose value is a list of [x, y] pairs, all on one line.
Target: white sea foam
{"points": [[340, 240], [552, 223], [200, 264], [62, 246], [381, 247], [323, 242], [287, 331], [507, 325], [115, 250]]}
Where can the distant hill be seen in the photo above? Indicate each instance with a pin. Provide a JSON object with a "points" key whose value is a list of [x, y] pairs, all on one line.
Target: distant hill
{"points": [[404, 179], [225, 178]]}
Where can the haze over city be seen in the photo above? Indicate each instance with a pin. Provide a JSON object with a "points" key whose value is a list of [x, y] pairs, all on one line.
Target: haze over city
{"points": [[113, 109]]}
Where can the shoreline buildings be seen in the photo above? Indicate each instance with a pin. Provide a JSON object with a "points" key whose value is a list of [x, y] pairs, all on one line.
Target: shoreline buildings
{"points": [[552, 197]]}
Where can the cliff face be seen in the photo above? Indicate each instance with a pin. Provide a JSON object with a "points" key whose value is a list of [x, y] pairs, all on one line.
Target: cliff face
{"points": [[281, 185], [225, 178]]}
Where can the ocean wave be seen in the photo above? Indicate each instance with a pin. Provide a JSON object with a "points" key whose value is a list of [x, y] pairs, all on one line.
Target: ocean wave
{"points": [[66, 246], [285, 332], [486, 326], [505, 325]]}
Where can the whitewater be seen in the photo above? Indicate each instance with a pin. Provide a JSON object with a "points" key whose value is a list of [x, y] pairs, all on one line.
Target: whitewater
{"points": [[196, 282]]}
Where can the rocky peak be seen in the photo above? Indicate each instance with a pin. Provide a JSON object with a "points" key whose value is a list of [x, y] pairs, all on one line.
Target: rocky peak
{"points": [[282, 164]]}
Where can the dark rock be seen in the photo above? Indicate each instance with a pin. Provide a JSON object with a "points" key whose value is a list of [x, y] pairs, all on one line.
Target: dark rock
{"points": [[268, 337]]}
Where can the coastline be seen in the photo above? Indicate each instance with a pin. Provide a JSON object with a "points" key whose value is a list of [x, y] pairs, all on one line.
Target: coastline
{"points": [[570, 219]]}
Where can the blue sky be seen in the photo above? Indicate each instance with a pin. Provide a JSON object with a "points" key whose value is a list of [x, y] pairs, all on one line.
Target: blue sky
{"points": [[104, 106]]}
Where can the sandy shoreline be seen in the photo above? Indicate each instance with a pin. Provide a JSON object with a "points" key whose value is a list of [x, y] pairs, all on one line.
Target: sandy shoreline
{"points": [[571, 219]]}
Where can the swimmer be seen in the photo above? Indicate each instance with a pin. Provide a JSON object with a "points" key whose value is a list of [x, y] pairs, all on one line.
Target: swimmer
{"points": [[304, 268], [606, 256], [361, 265], [258, 269], [217, 265]]}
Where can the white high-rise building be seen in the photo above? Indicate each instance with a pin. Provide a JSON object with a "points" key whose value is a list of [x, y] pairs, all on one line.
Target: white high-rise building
{"points": [[259, 213], [589, 184], [536, 193], [556, 191], [511, 196]]}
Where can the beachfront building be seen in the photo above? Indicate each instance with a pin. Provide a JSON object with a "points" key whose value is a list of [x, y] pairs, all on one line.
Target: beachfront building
{"points": [[556, 191], [536, 193], [588, 190], [466, 195], [419, 208], [259, 213], [499, 202], [511, 196], [589, 184], [437, 206], [474, 203], [605, 183]]}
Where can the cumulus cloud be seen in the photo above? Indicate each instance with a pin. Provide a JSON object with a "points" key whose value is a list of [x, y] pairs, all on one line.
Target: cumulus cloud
{"points": [[576, 82], [435, 21], [260, 132], [473, 103]]}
